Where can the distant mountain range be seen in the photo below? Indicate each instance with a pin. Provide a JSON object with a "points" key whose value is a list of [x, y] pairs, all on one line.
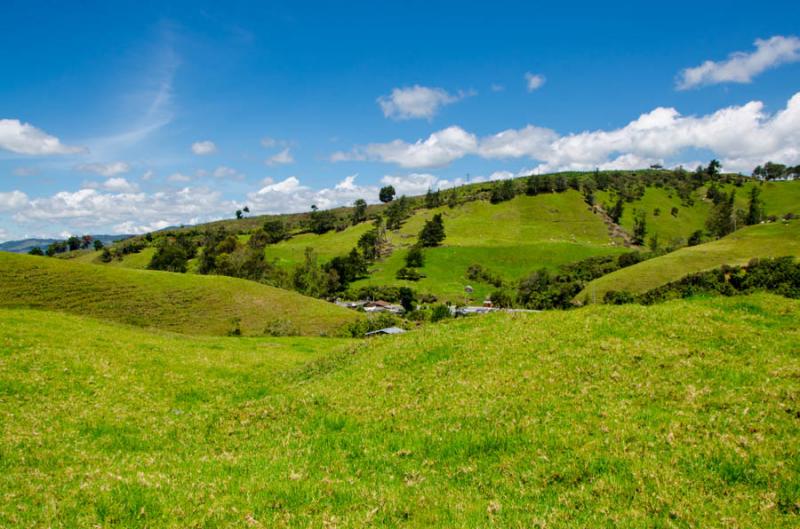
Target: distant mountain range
{"points": [[26, 245]]}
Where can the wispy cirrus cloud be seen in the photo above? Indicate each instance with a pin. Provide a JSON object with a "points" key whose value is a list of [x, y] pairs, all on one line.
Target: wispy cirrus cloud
{"points": [[742, 67]]}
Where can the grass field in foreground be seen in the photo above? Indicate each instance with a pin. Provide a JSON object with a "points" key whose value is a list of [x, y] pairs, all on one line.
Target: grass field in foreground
{"points": [[683, 414], [767, 240], [187, 303]]}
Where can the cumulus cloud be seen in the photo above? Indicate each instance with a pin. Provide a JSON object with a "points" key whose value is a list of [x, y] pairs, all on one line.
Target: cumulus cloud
{"points": [[228, 173], [104, 169], [90, 210], [24, 138], [416, 102], [202, 148], [741, 136], [741, 67], [178, 178], [290, 196], [12, 200], [533, 81], [282, 158], [119, 184], [439, 149]]}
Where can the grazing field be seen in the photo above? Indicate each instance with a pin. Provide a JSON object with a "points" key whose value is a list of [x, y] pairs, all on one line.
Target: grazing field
{"points": [[184, 303], [512, 239], [767, 240], [678, 415]]}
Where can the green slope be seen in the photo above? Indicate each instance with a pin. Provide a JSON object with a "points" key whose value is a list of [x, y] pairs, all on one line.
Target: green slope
{"points": [[677, 415], [766, 240], [179, 302], [779, 199], [512, 239]]}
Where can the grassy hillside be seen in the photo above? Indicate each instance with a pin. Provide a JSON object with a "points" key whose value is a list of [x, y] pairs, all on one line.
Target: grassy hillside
{"points": [[677, 415], [779, 199], [766, 240], [512, 239], [179, 302]]}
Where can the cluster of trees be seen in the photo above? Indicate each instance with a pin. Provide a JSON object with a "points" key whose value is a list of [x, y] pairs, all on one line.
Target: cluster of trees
{"points": [[69, 245], [725, 218], [776, 171], [779, 276], [432, 234], [545, 289]]}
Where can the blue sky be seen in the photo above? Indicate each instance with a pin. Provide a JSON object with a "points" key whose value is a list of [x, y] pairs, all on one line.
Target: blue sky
{"points": [[126, 117]]}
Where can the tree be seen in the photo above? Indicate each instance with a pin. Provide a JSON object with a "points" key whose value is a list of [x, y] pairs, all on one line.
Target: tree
{"points": [[432, 233], [370, 244], [246, 209], [721, 220], [695, 238], [639, 227], [561, 184], [74, 243], [86, 241], [771, 171], [322, 221], [397, 212], [386, 194], [275, 231], [432, 199], [415, 258], [616, 212], [532, 185], [98, 245], [35, 251], [440, 312], [106, 256], [170, 257], [239, 214], [407, 298], [359, 211], [755, 209], [502, 191], [713, 168]]}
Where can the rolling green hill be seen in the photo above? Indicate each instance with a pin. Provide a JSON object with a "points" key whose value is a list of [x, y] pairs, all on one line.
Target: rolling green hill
{"points": [[511, 238], [779, 199], [677, 415], [767, 240], [184, 303]]}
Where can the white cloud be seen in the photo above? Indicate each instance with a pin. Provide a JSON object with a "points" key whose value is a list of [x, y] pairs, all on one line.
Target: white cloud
{"points": [[92, 210], [225, 172], [741, 136], [496, 87], [104, 169], [416, 102], [290, 195], [13, 200], [282, 158], [202, 148], [439, 149], [533, 81], [741, 67], [119, 184], [148, 175], [179, 178], [24, 138]]}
